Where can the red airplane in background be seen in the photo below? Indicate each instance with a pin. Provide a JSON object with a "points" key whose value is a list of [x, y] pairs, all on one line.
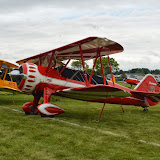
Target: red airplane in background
{"points": [[132, 81], [45, 74]]}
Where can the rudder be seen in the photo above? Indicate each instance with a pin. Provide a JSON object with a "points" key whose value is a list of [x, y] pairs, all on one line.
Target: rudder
{"points": [[148, 84]]}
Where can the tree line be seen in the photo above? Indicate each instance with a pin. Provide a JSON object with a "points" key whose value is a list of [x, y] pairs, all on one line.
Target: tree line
{"points": [[143, 71], [114, 65]]}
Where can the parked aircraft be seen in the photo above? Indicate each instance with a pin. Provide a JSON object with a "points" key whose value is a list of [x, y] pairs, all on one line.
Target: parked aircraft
{"points": [[45, 74], [6, 82], [132, 81]]}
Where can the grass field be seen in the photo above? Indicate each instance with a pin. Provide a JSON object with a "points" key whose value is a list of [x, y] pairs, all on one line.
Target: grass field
{"points": [[75, 135]]}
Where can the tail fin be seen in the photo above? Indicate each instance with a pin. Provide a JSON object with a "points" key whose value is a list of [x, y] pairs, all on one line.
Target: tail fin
{"points": [[148, 84]]}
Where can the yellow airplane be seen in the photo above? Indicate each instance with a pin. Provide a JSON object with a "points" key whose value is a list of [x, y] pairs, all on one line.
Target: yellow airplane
{"points": [[6, 82]]}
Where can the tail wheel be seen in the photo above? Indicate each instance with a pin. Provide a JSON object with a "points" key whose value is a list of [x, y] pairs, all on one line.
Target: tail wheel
{"points": [[44, 115], [145, 110], [27, 113]]}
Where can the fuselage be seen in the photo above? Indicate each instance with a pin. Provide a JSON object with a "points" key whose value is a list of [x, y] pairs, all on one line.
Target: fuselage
{"points": [[36, 78]]}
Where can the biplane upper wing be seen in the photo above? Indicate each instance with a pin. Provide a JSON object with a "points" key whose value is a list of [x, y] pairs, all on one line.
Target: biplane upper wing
{"points": [[88, 47], [5, 64], [94, 92]]}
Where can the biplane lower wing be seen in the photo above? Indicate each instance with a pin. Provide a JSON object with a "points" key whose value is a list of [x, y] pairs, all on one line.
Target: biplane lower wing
{"points": [[9, 89], [93, 93]]}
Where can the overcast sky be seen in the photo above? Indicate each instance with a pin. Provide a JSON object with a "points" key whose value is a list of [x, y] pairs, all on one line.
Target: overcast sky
{"points": [[30, 27]]}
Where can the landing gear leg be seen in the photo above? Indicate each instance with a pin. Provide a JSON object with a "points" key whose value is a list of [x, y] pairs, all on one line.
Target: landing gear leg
{"points": [[27, 113], [48, 109], [101, 112], [146, 104], [122, 108], [130, 86], [30, 108]]}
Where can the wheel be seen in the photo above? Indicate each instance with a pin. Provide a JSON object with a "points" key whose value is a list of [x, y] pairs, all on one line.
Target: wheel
{"points": [[26, 113], [27, 107], [44, 115], [145, 110]]}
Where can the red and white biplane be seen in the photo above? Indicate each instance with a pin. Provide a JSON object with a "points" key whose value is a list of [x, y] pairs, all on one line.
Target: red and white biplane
{"points": [[45, 74]]}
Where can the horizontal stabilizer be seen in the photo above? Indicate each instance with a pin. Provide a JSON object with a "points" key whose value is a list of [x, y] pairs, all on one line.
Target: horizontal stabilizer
{"points": [[148, 87], [154, 95], [94, 92], [148, 84]]}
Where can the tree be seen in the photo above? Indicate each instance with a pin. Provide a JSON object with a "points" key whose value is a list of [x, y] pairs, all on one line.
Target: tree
{"points": [[123, 76], [156, 71], [140, 70], [78, 65], [114, 65]]}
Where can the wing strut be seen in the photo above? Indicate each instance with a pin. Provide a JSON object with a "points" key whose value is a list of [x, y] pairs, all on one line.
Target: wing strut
{"points": [[50, 61], [5, 73], [84, 69], [39, 61], [93, 69], [110, 69], [104, 80], [10, 76], [64, 67], [101, 111]]}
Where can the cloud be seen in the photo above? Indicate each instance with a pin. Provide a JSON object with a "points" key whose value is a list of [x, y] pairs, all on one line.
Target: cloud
{"points": [[32, 27], [89, 5]]}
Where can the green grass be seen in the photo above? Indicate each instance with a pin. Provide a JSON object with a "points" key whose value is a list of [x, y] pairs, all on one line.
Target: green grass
{"points": [[126, 84], [75, 134]]}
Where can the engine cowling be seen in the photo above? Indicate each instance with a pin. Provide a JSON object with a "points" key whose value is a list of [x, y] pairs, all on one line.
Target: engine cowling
{"points": [[29, 82], [27, 77], [31, 78]]}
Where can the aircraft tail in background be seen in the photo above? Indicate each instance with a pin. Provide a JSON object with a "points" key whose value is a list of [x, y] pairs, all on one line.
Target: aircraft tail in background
{"points": [[148, 84]]}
